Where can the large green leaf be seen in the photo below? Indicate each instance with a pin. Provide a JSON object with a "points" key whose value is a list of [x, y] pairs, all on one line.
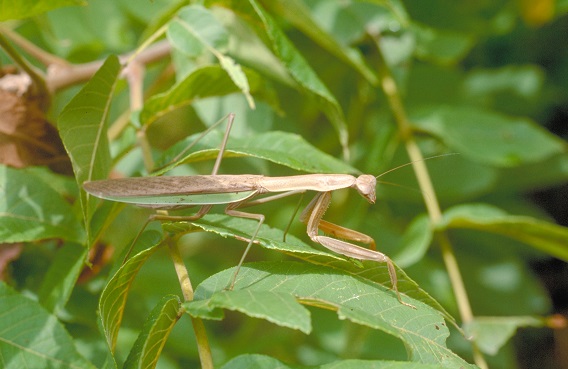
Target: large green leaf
{"points": [[441, 46], [534, 176], [201, 83], [113, 298], [151, 341], [295, 64], [194, 30], [249, 361], [272, 238], [32, 338], [422, 329], [491, 333], [276, 307], [298, 14], [489, 137], [415, 241], [32, 210], [20, 9], [524, 81], [547, 237], [278, 147], [58, 283], [83, 129]]}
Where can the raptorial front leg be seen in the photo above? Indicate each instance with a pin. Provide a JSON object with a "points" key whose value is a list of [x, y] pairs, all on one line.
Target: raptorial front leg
{"points": [[346, 233], [312, 216]]}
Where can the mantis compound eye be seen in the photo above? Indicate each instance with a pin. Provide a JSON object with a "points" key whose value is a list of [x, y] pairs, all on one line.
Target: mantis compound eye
{"points": [[366, 186]]}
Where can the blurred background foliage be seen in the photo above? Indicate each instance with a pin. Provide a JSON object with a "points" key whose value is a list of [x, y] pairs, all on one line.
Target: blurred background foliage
{"points": [[485, 79]]}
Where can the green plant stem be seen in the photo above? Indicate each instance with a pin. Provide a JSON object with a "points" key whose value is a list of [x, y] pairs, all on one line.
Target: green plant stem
{"points": [[187, 291], [181, 271], [390, 89]]}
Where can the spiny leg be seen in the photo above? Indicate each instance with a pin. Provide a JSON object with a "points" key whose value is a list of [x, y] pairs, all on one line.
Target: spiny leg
{"points": [[163, 217], [346, 233], [230, 210], [312, 216], [276, 197], [287, 229]]}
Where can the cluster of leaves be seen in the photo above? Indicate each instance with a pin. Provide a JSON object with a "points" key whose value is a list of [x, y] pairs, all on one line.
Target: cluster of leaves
{"points": [[308, 83]]}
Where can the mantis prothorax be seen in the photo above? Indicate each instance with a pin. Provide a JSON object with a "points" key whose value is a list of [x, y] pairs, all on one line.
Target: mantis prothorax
{"points": [[237, 191]]}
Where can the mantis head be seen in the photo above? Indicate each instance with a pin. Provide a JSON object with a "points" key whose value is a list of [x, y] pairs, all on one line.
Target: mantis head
{"points": [[365, 185]]}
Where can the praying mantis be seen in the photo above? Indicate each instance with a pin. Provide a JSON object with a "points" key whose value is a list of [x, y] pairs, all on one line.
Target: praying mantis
{"points": [[238, 191]]}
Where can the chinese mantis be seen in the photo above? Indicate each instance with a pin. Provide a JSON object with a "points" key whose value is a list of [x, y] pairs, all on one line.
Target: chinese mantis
{"points": [[238, 191]]}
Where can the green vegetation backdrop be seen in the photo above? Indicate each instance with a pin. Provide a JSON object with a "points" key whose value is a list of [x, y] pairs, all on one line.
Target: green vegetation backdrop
{"points": [[473, 94]]}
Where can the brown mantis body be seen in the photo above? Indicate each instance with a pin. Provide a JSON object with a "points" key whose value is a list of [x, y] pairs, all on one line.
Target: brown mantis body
{"points": [[237, 191]]}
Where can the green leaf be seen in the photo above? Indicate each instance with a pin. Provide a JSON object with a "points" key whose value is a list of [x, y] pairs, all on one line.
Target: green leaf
{"points": [[422, 330], [293, 61], [32, 338], [521, 80], [492, 333], [251, 361], [489, 137], [32, 210], [113, 298], [255, 362], [58, 283], [147, 348], [415, 241], [547, 237], [195, 29], [199, 84], [276, 307], [278, 147], [272, 238], [21, 9], [298, 14], [441, 46], [82, 126], [396, 11], [534, 176]]}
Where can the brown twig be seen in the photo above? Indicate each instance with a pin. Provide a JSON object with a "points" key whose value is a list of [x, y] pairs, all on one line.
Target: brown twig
{"points": [[60, 73], [60, 77], [36, 75]]}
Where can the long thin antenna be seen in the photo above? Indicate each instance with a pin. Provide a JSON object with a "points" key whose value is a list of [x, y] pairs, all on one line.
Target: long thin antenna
{"points": [[412, 162]]}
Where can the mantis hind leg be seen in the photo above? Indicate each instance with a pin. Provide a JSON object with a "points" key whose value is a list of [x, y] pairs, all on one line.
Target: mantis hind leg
{"points": [[181, 218], [230, 210]]}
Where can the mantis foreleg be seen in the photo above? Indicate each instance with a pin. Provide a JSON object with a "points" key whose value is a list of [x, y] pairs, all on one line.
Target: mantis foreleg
{"points": [[312, 216]]}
